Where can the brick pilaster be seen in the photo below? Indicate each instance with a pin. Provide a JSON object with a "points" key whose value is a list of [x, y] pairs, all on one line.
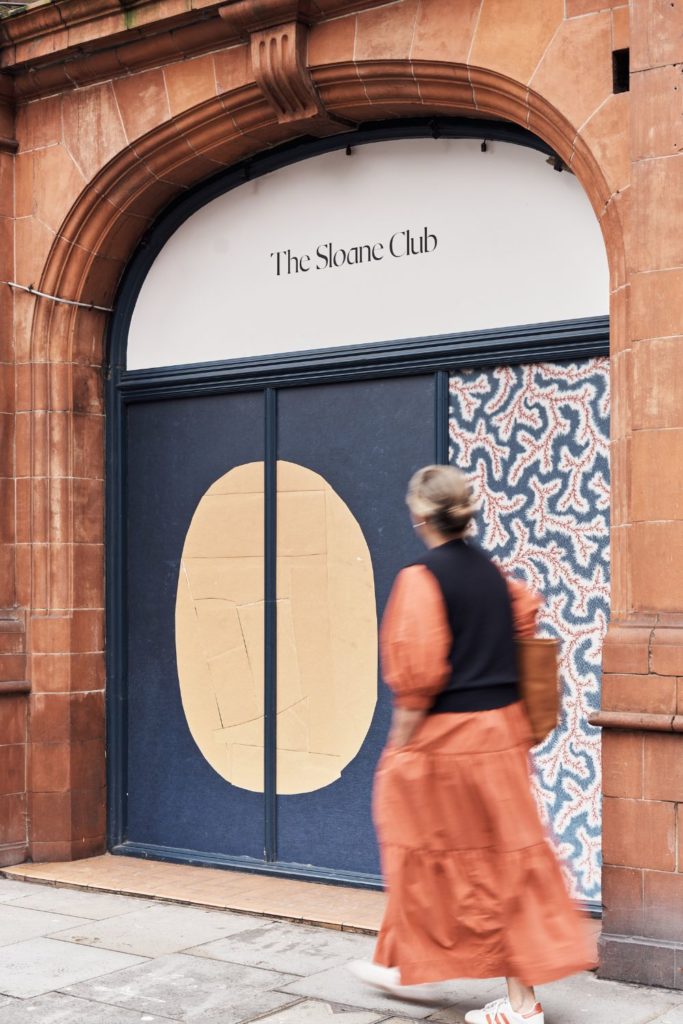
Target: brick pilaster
{"points": [[642, 707]]}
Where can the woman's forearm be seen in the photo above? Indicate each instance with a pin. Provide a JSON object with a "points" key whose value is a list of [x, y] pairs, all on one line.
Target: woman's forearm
{"points": [[404, 723]]}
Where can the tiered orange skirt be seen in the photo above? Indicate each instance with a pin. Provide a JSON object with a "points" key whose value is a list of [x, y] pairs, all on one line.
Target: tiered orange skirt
{"points": [[475, 890]]}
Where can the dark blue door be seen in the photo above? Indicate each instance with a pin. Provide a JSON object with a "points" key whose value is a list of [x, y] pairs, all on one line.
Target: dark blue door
{"points": [[198, 558]]}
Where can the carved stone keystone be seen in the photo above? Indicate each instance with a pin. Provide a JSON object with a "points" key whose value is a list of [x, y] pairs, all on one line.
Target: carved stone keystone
{"points": [[278, 33]]}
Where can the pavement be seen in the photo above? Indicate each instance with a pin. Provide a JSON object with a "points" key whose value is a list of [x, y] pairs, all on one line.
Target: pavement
{"points": [[74, 957]]}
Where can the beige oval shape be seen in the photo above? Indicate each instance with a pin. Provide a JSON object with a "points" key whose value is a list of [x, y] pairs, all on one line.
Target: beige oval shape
{"points": [[326, 635]]}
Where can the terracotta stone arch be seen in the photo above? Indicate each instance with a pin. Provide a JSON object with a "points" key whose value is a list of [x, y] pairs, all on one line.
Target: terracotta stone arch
{"points": [[86, 262], [103, 226]]}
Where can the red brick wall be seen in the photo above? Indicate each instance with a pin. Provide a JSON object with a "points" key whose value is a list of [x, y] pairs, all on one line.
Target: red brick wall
{"points": [[643, 659], [13, 711]]}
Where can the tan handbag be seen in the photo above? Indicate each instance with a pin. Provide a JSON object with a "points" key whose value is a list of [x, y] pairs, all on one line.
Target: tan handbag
{"points": [[539, 683]]}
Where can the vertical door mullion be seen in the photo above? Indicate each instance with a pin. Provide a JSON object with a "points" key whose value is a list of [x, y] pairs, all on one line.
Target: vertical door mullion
{"points": [[270, 628], [441, 382], [116, 694]]}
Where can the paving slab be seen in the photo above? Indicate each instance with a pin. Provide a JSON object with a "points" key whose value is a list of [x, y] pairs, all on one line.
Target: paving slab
{"points": [[338, 985], [37, 966], [399, 1020], [585, 997], [313, 1012], [90, 905], [674, 1016], [574, 1000], [60, 1009], [158, 929], [18, 924], [293, 948], [472, 994], [189, 988], [11, 890]]}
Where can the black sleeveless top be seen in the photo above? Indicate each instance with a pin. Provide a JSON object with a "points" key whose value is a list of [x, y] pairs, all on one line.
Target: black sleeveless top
{"points": [[483, 656]]}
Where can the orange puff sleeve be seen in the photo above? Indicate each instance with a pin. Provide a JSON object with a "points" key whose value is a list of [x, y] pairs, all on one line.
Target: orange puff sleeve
{"points": [[415, 638]]}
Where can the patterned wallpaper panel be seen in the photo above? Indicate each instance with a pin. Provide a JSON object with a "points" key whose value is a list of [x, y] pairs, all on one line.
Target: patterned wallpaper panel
{"points": [[534, 441]]}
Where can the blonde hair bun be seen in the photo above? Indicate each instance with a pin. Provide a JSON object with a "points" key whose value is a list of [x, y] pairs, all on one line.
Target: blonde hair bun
{"points": [[442, 496]]}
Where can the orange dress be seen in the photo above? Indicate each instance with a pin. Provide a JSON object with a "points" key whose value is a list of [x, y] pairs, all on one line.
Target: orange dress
{"points": [[474, 888]]}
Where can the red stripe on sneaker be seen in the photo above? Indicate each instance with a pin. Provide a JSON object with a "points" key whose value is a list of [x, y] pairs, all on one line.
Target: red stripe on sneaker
{"points": [[503, 1019], [537, 1009]]}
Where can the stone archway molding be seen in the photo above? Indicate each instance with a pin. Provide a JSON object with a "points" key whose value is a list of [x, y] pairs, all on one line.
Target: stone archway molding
{"points": [[284, 102]]}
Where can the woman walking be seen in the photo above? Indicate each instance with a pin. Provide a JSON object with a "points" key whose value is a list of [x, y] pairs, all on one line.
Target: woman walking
{"points": [[474, 889]]}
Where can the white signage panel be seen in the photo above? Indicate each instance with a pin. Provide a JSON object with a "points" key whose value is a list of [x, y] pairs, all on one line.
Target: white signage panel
{"points": [[401, 239]]}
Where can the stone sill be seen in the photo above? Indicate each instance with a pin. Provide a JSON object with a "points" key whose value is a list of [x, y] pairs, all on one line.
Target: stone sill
{"points": [[13, 686], [637, 722]]}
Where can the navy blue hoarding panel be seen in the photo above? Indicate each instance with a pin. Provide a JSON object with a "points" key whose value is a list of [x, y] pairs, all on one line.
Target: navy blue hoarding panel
{"points": [[176, 450], [365, 438]]}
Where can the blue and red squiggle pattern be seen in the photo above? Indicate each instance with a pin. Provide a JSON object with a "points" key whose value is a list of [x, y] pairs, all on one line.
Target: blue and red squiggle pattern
{"points": [[534, 441]]}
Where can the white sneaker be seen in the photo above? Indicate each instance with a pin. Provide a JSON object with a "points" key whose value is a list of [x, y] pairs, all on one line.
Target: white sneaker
{"points": [[500, 1012], [386, 979]]}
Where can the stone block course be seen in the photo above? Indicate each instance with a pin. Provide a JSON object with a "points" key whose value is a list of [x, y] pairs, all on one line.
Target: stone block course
{"points": [[39, 124], [607, 133], [657, 26], [622, 764], [49, 767], [659, 95], [584, 46], [657, 549], [12, 668], [88, 812], [7, 387], [639, 833], [385, 33], [12, 768], [626, 650], [13, 819], [658, 363], [658, 486], [328, 43], [190, 82], [622, 899], [657, 244], [515, 47], [50, 816], [662, 895], [640, 961], [667, 651], [92, 131], [143, 102], [621, 28], [663, 767], [50, 718]]}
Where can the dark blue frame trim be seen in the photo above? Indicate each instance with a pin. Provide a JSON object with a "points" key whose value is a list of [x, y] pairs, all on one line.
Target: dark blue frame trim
{"points": [[567, 339], [441, 417], [439, 355], [280, 869], [270, 631], [116, 640]]}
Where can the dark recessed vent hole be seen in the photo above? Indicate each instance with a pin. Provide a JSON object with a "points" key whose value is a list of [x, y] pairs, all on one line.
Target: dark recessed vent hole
{"points": [[620, 70]]}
